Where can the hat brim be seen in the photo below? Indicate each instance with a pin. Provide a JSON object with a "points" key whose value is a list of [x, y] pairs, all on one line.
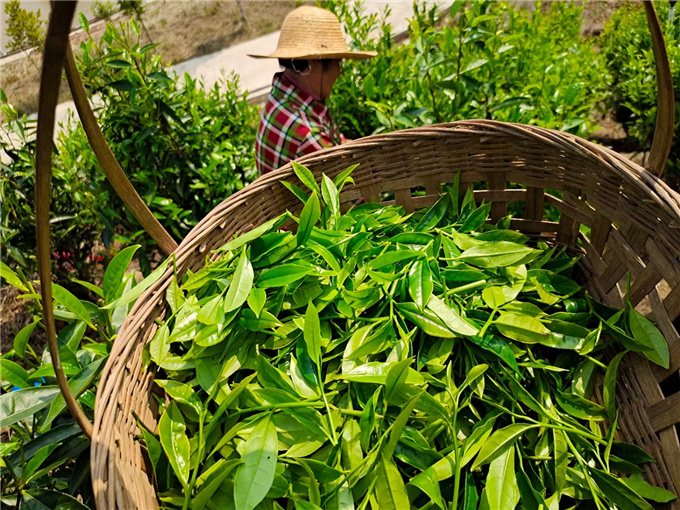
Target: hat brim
{"points": [[352, 55]]}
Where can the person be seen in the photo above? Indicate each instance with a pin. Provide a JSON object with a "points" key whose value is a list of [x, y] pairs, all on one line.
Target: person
{"points": [[295, 120]]}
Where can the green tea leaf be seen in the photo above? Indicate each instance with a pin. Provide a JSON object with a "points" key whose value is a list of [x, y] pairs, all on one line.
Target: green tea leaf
{"points": [[138, 289], [14, 374], [251, 235], [393, 257], [390, 490], [376, 372], [497, 346], [522, 328], [609, 390], [648, 335], [19, 405], [499, 442], [399, 424], [212, 484], [256, 300], [71, 303], [212, 312], [113, 277], [420, 282], [419, 238], [174, 296], [306, 177], [241, 284], [498, 254], [471, 497], [344, 176], [647, 491], [311, 213], [396, 378], [330, 195], [312, 334], [453, 321], [618, 492], [501, 487], [580, 407], [21, 340], [77, 384], [283, 274], [182, 394], [255, 475], [11, 277], [561, 454], [429, 484], [433, 215], [296, 190], [476, 219], [425, 320], [172, 431]]}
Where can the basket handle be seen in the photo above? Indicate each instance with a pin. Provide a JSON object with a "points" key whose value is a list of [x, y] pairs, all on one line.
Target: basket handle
{"points": [[665, 111], [56, 42], [57, 53]]}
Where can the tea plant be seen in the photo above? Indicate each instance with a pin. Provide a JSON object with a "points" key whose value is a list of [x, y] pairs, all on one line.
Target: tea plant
{"points": [[184, 149], [627, 48], [45, 456], [76, 194], [487, 60]]}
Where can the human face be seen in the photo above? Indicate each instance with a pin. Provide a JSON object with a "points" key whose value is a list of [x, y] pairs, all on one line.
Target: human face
{"points": [[330, 74]]}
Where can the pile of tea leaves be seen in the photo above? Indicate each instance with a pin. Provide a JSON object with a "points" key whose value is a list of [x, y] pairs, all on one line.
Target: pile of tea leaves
{"points": [[383, 360]]}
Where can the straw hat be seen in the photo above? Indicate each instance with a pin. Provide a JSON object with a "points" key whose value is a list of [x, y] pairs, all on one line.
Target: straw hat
{"points": [[312, 33]]}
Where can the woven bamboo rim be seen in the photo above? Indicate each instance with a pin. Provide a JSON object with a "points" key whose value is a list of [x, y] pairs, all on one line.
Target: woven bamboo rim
{"points": [[635, 227]]}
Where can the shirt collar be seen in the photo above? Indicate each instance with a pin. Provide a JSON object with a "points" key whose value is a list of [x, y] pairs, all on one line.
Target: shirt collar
{"points": [[285, 87]]}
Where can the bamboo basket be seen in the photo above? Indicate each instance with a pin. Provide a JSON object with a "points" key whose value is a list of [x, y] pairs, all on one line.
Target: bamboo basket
{"points": [[633, 217]]}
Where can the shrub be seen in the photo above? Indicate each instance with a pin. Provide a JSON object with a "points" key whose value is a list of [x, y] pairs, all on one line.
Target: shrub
{"points": [[76, 196], [185, 149], [45, 455], [104, 9], [488, 60], [627, 49], [24, 29]]}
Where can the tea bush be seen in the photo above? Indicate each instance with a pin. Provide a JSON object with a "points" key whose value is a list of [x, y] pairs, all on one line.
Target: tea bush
{"points": [[627, 50], [45, 455], [185, 149], [488, 60], [76, 198]]}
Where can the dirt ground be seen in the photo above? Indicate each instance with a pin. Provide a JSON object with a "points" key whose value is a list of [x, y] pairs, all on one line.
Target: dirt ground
{"points": [[183, 30]]}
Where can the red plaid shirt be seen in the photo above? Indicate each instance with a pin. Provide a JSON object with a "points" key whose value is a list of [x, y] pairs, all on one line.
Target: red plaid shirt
{"points": [[293, 123]]}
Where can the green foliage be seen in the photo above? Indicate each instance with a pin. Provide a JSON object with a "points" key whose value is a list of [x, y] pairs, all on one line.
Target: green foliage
{"points": [[104, 9], [45, 455], [76, 195], [627, 49], [24, 29], [185, 149], [390, 353], [488, 61], [132, 7]]}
